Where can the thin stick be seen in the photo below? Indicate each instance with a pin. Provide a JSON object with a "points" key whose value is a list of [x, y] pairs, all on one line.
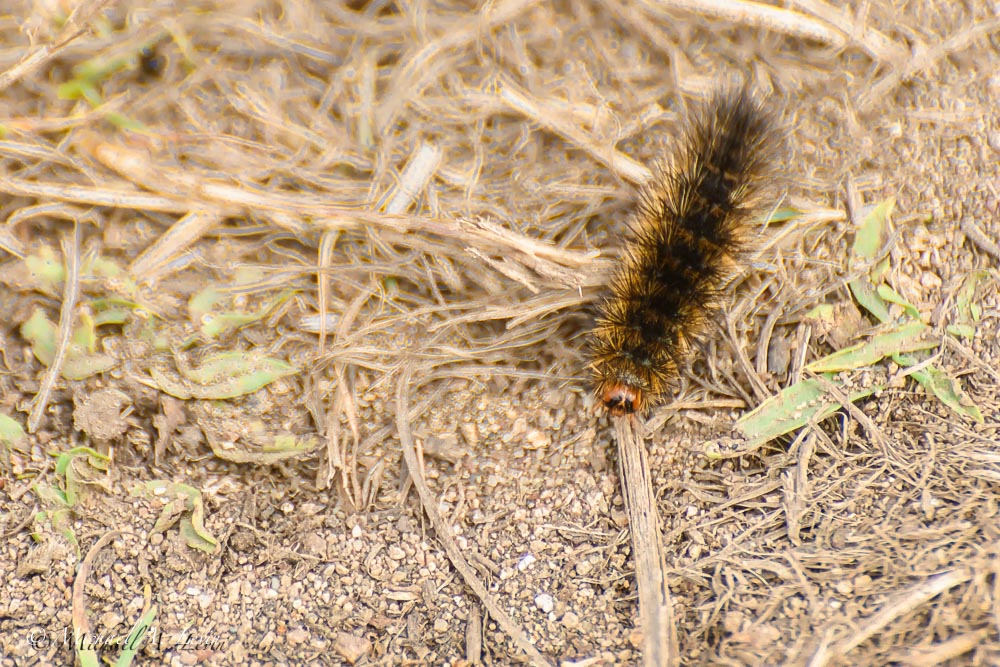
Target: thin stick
{"points": [[81, 625], [976, 235], [71, 292], [415, 177], [659, 634], [553, 118], [757, 15], [441, 528], [150, 265], [909, 601], [875, 43], [925, 59]]}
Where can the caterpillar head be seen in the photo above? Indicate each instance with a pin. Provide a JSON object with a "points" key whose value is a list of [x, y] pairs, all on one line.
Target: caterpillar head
{"points": [[622, 400]]}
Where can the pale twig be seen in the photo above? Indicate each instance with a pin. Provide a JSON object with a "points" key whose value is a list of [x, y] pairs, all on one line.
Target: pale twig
{"points": [[71, 292], [327, 243], [81, 624], [150, 265], [976, 235], [945, 651], [659, 633], [441, 528], [418, 173], [418, 69], [908, 602], [755, 15], [924, 59], [554, 119], [875, 43], [14, 245]]}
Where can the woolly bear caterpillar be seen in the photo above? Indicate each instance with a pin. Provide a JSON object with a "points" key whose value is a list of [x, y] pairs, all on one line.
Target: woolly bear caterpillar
{"points": [[692, 222]]}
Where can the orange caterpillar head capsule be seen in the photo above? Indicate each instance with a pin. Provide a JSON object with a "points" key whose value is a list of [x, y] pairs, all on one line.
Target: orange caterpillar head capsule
{"points": [[621, 399]]}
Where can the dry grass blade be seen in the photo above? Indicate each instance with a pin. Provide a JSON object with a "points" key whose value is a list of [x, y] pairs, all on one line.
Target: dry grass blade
{"points": [[81, 625], [757, 15], [554, 118], [328, 240], [116, 197], [909, 601], [420, 68], [418, 173], [659, 634], [182, 234], [75, 26], [71, 293], [924, 59], [876, 43], [441, 528], [976, 235]]}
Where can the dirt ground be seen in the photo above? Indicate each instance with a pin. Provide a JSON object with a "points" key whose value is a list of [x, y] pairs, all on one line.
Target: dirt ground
{"points": [[254, 251]]}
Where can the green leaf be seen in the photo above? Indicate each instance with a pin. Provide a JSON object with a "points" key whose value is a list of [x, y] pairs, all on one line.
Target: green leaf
{"points": [[873, 231], [792, 408], [41, 333], [66, 468], [966, 331], [866, 294], [214, 325], [224, 375], [907, 338], [203, 302], [45, 270], [85, 366], [821, 313], [133, 641], [892, 296], [967, 311], [12, 435], [78, 363], [948, 392], [192, 522], [62, 522], [784, 214]]}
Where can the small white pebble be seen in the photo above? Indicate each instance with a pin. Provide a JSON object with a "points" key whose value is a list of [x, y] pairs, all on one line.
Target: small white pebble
{"points": [[545, 602], [527, 560]]}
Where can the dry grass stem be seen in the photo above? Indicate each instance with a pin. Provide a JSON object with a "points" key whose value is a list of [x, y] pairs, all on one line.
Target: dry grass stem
{"points": [[906, 603], [441, 527], [757, 15], [925, 58], [656, 611], [154, 260], [67, 315], [875, 43], [553, 117]]}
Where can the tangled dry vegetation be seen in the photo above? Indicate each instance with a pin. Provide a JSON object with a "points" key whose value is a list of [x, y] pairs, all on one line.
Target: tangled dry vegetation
{"points": [[269, 266]]}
